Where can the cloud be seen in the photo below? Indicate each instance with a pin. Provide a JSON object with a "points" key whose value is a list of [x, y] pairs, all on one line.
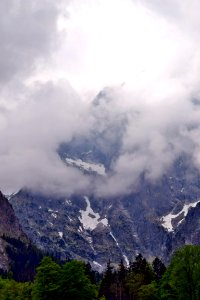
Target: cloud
{"points": [[27, 32], [31, 135], [155, 135], [55, 56], [35, 116]]}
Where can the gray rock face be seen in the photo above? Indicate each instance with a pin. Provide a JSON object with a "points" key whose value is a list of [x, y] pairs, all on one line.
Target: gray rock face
{"points": [[154, 220], [188, 231], [10, 227]]}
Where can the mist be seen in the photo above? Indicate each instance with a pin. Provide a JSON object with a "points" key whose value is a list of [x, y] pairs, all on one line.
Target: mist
{"points": [[55, 59]]}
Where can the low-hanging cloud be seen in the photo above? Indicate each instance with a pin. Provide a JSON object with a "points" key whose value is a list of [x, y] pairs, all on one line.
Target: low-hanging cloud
{"points": [[154, 137], [31, 135], [150, 112]]}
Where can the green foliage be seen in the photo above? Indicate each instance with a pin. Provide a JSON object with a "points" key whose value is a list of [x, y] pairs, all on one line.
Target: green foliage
{"points": [[10, 289], [148, 292], [76, 281], [52, 282], [46, 284], [181, 280], [70, 281], [75, 284]]}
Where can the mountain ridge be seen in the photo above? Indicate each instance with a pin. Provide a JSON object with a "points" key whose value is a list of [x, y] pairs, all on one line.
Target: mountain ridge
{"points": [[96, 229]]}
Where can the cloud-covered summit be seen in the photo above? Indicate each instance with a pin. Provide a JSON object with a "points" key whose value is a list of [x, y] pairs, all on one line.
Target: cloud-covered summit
{"points": [[56, 56]]}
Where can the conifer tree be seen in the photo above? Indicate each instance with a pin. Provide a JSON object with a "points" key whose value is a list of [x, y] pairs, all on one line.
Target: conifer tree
{"points": [[158, 268], [107, 281]]}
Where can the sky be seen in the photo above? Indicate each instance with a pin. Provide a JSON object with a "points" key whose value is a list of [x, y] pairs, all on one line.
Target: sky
{"points": [[56, 56]]}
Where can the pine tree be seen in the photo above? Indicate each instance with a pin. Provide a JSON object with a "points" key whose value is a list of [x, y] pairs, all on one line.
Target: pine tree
{"points": [[121, 280], [158, 268], [107, 282]]}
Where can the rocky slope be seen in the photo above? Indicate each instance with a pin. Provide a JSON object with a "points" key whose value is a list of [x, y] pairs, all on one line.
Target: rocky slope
{"points": [[9, 227], [154, 220]]}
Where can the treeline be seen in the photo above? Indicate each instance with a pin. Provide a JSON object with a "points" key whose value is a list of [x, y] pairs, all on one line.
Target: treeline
{"points": [[129, 283], [144, 281], [75, 280]]}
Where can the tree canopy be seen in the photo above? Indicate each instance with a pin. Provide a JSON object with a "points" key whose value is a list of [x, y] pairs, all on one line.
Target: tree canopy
{"points": [[140, 280]]}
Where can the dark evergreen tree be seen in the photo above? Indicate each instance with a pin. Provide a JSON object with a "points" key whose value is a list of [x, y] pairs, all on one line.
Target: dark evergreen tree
{"points": [[121, 275], [140, 274], [106, 287], [122, 271], [92, 275], [158, 268], [139, 265]]}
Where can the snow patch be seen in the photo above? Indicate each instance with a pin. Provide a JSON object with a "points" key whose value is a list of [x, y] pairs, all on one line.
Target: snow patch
{"points": [[87, 166], [167, 220], [86, 153], [97, 264], [80, 229], [67, 201], [89, 218], [9, 194], [114, 239], [126, 259], [60, 233], [124, 256], [54, 215], [89, 239]]}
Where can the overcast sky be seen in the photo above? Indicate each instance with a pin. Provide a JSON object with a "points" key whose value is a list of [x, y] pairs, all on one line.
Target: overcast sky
{"points": [[55, 57]]}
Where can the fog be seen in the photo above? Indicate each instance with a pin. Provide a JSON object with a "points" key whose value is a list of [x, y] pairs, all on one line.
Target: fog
{"points": [[56, 56]]}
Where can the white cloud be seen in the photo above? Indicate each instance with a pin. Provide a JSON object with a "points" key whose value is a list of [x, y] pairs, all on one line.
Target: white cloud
{"points": [[147, 52]]}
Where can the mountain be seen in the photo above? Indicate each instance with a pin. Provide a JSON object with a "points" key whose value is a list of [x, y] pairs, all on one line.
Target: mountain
{"points": [[9, 228], [154, 218]]}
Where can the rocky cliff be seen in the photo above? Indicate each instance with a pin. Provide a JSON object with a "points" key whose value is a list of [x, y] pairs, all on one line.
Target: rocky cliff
{"points": [[154, 220], [9, 227]]}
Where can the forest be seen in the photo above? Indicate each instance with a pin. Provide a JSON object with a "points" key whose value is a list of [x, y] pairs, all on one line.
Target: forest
{"points": [[141, 280]]}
